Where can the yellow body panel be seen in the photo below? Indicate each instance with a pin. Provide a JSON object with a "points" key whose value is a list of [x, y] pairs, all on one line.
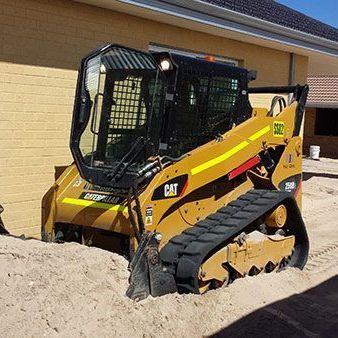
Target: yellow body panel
{"points": [[207, 189]]}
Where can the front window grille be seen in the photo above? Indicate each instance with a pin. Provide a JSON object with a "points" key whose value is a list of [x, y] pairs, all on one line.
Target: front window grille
{"points": [[204, 109], [125, 89]]}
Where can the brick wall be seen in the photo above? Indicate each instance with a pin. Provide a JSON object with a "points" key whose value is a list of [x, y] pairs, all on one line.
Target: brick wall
{"points": [[41, 45], [328, 144], [34, 135]]}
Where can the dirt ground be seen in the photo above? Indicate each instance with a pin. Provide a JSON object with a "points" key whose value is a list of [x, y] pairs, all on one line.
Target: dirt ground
{"points": [[64, 290]]}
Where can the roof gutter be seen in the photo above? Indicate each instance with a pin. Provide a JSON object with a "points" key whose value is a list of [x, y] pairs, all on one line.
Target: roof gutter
{"points": [[331, 105], [218, 17]]}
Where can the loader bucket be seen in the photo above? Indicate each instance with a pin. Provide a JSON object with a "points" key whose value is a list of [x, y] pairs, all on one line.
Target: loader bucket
{"points": [[147, 274]]}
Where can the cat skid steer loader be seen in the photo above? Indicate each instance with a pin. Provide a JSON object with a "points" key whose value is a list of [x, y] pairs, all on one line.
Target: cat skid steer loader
{"points": [[176, 171]]}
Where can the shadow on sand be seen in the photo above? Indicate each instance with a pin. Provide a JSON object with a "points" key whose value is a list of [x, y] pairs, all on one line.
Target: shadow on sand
{"points": [[308, 174], [313, 313]]}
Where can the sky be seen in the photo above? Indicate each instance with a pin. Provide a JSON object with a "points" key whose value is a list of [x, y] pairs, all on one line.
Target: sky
{"points": [[322, 10]]}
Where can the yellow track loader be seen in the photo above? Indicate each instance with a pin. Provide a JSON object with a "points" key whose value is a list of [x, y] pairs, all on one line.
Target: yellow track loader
{"points": [[176, 171]]}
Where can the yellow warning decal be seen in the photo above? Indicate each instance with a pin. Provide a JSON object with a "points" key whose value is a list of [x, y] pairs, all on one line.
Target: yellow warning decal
{"points": [[278, 129], [93, 204], [229, 153]]}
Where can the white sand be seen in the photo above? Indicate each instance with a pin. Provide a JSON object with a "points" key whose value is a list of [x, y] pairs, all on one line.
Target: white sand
{"points": [[69, 289]]}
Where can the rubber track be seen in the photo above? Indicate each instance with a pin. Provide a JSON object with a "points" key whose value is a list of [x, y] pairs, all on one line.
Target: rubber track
{"points": [[176, 246], [184, 254]]}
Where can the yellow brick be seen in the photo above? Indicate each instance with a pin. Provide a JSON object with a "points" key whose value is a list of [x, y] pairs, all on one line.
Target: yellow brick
{"points": [[21, 197], [42, 43], [10, 144], [26, 206], [9, 106], [6, 133], [35, 125], [35, 143], [7, 125], [28, 231], [10, 162], [14, 11]]}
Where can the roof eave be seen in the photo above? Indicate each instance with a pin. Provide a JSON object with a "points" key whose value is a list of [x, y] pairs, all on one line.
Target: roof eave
{"points": [[250, 21], [219, 17]]}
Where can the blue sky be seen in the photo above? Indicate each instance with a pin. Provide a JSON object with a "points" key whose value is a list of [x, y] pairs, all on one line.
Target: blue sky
{"points": [[322, 10]]}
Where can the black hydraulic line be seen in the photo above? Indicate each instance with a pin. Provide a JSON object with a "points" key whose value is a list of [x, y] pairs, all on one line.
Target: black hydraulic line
{"points": [[118, 166], [148, 167], [282, 104], [151, 165], [267, 161], [125, 167], [153, 168], [300, 109], [138, 210], [174, 159], [131, 217]]}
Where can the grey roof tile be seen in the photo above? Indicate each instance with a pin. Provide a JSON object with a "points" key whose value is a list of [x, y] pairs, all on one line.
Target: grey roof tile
{"points": [[274, 12]]}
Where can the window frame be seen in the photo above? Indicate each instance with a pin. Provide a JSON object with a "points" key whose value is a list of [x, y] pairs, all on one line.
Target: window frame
{"points": [[200, 55], [328, 127]]}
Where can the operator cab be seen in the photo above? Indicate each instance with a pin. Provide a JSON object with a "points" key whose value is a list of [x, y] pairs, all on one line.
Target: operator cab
{"points": [[133, 106]]}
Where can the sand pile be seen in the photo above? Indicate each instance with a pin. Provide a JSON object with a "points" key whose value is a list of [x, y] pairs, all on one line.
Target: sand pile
{"points": [[69, 289]]}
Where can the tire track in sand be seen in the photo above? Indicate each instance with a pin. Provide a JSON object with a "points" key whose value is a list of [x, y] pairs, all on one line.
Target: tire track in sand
{"points": [[323, 257]]}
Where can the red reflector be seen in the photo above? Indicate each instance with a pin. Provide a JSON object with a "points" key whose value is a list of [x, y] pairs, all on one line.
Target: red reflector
{"points": [[244, 167]]}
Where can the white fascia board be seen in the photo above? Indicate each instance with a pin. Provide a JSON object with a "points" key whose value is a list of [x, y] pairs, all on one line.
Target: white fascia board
{"points": [[218, 17], [331, 105]]}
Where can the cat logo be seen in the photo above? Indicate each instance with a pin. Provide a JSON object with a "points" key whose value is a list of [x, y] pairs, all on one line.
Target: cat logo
{"points": [[173, 188], [278, 128], [170, 190]]}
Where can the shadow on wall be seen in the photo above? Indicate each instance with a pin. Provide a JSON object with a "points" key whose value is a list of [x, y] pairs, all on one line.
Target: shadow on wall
{"points": [[58, 34], [313, 313]]}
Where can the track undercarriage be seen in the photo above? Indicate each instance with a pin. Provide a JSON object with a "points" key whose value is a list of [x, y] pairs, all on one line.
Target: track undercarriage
{"points": [[238, 240]]}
